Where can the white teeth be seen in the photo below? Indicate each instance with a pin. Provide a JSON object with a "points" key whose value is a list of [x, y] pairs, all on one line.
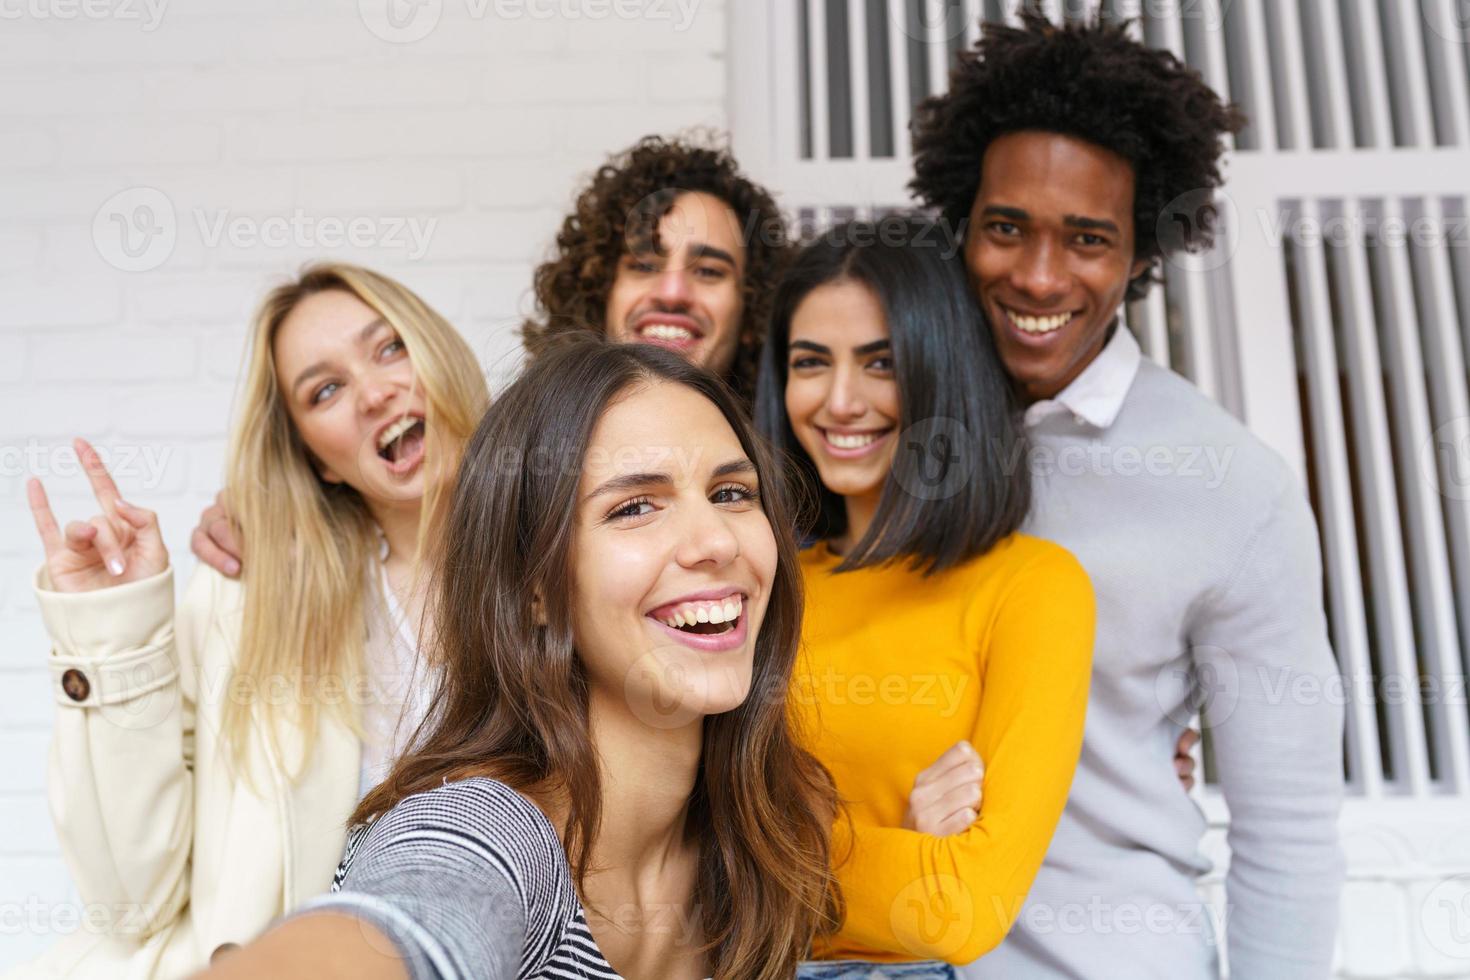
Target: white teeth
{"points": [[856, 441], [724, 611], [1038, 324], [395, 430], [667, 331]]}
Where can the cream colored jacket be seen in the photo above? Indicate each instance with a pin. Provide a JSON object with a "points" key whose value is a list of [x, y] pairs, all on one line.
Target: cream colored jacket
{"points": [[173, 852]]}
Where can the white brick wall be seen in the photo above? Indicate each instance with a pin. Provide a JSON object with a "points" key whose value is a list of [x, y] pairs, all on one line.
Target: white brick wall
{"points": [[253, 109]]}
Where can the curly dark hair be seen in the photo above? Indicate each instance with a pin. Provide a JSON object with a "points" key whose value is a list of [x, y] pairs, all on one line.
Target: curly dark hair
{"points": [[1095, 83], [623, 204]]}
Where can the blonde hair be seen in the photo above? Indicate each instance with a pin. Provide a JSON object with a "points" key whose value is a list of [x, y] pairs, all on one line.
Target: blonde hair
{"points": [[308, 545]]}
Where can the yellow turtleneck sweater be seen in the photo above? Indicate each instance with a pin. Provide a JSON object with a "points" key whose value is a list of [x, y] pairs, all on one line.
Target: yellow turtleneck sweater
{"points": [[896, 668]]}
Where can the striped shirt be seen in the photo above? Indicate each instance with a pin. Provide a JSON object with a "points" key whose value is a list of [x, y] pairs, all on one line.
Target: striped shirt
{"points": [[468, 880]]}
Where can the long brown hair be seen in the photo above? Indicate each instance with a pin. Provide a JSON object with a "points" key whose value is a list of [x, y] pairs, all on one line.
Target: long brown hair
{"points": [[512, 700]]}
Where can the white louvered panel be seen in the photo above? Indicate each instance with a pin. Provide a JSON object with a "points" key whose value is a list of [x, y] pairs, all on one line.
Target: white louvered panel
{"points": [[1444, 356], [935, 26], [1129, 12], [1432, 595], [1188, 293], [898, 76], [1266, 397], [1149, 319], [1428, 551], [1335, 509], [1282, 31], [1164, 30], [1389, 589], [1331, 99], [1227, 351], [974, 14], [1379, 506], [1247, 20], [782, 101], [1203, 29], [816, 52], [1367, 75], [1408, 88], [857, 73], [1445, 60], [1326, 74]]}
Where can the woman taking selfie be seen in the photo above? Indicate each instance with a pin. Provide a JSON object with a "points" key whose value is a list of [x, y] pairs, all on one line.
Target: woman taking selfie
{"points": [[932, 627], [606, 783], [205, 759]]}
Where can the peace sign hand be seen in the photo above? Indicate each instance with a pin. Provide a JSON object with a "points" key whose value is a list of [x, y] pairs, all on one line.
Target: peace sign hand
{"points": [[120, 545]]}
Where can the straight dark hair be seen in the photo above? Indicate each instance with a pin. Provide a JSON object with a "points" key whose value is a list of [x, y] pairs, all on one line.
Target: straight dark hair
{"points": [[956, 402], [512, 697]]}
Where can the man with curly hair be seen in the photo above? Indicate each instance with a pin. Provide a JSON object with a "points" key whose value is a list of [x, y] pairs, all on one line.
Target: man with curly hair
{"points": [[668, 244], [1062, 152]]}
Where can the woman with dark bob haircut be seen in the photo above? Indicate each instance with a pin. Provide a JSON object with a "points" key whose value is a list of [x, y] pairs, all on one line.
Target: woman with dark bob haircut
{"points": [[933, 627], [607, 782]]}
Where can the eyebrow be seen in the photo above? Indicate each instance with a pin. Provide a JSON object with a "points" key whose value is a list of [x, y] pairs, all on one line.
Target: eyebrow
{"points": [[1070, 220], [1090, 224], [871, 347], [701, 250], [638, 481], [321, 367], [697, 251]]}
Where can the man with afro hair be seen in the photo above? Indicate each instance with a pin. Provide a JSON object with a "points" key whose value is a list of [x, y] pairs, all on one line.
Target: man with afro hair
{"points": [[1061, 153]]}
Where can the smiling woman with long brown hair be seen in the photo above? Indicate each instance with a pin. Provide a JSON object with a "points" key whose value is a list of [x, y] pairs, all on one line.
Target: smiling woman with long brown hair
{"points": [[206, 757], [607, 779]]}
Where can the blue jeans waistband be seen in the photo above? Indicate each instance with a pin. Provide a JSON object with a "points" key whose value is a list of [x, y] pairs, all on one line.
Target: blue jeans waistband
{"points": [[861, 970]]}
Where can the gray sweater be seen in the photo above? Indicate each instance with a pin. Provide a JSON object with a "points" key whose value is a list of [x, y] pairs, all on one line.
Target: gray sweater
{"points": [[1204, 555]]}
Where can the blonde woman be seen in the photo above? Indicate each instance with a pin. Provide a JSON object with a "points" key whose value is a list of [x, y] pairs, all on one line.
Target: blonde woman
{"points": [[206, 758]]}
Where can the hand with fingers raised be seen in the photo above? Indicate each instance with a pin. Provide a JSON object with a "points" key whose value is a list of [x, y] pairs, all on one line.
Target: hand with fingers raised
{"points": [[946, 797], [120, 545]]}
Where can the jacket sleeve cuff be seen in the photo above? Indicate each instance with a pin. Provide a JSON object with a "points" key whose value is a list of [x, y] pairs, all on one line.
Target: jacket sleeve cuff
{"points": [[106, 622], [109, 645]]}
